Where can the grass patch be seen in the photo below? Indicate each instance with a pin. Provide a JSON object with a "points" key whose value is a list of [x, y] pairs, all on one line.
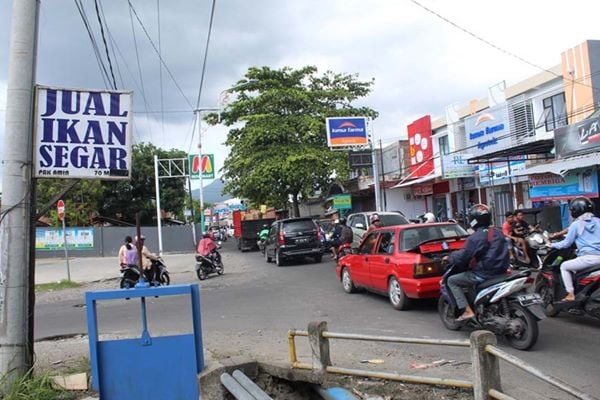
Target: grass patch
{"points": [[36, 388], [82, 364], [53, 286]]}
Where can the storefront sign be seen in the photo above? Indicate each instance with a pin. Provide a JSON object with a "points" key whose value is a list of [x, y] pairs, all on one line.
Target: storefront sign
{"points": [[82, 133], [207, 165], [578, 182], [488, 131], [420, 148], [348, 131], [498, 174], [342, 201], [578, 138], [457, 166], [52, 239], [423, 190]]}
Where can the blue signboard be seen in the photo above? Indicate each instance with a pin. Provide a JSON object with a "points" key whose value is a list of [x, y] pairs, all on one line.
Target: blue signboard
{"points": [[578, 182], [499, 172], [488, 131], [349, 131]]}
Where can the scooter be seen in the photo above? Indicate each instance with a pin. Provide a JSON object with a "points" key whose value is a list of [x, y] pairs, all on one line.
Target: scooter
{"points": [[156, 275], [536, 250], [343, 250], [550, 286], [209, 264], [501, 305]]}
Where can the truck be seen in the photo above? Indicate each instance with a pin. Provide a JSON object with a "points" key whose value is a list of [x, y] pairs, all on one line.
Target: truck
{"points": [[246, 230]]}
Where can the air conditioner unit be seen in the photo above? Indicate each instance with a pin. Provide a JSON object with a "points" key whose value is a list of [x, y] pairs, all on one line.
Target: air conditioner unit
{"points": [[408, 196]]}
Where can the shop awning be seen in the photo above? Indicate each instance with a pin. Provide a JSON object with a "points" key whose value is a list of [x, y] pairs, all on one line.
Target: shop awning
{"points": [[423, 179], [561, 167]]}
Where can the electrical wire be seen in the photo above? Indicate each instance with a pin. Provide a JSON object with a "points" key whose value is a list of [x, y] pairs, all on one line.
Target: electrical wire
{"points": [[86, 24], [112, 46], [132, 8], [160, 78], [137, 55], [212, 14], [487, 42], [112, 73]]}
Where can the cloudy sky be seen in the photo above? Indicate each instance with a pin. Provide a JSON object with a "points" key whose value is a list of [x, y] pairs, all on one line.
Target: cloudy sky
{"points": [[419, 62]]}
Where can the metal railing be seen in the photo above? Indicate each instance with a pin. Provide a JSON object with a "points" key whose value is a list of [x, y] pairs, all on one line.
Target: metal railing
{"points": [[485, 358]]}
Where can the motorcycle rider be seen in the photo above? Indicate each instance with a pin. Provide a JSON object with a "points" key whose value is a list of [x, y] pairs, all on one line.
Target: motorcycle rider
{"points": [[507, 230], [486, 251], [428, 218], [206, 246], [346, 235], [264, 233], [123, 251], [585, 232]]}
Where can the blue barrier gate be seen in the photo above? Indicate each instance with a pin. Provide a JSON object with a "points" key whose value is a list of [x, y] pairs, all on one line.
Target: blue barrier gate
{"points": [[148, 368]]}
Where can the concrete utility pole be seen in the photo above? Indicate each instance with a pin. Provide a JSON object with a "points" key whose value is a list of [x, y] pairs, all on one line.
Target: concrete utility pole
{"points": [[15, 349]]}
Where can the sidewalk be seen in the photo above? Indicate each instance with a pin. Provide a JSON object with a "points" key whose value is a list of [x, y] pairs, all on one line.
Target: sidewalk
{"points": [[92, 269]]}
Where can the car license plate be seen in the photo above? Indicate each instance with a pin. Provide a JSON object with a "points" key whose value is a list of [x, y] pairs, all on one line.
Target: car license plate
{"points": [[301, 240], [529, 299]]}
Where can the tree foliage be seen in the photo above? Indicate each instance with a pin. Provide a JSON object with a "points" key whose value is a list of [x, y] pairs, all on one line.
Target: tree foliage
{"points": [[121, 200], [281, 150]]}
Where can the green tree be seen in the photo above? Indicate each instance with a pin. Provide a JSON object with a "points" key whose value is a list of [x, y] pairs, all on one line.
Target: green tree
{"points": [[280, 152], [123, 199], [80, 202]]}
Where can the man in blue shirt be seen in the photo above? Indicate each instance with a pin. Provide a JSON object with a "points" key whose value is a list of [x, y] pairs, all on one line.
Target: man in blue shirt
{"points": [[485, 251], [585, 232]]}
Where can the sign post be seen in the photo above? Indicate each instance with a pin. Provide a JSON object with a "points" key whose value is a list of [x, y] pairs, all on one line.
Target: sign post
{"points": [[60, 206]]}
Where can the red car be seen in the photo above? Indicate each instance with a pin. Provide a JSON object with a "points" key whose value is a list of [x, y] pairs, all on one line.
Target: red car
{"points": [[402, 262]]}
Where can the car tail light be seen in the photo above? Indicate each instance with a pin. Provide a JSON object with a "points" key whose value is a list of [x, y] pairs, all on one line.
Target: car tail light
{"points": [[318, 235], [281, 238], [425, 269]]}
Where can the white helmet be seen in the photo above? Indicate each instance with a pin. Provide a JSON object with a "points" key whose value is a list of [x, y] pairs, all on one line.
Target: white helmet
{"points": [[428, 218]]}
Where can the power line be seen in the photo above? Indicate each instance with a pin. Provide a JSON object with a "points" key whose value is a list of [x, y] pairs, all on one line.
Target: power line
{"points": [[105, 45], [131, 8], [212, 14], [112, 46], [487, 42], [162, 104], [86, 24]]}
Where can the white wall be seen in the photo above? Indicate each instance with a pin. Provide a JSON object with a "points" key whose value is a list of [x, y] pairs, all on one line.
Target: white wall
{"points": [[396, 202]]}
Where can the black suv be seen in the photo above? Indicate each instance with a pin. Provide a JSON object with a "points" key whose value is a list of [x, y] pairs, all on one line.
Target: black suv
{"points": [[291, 238]]}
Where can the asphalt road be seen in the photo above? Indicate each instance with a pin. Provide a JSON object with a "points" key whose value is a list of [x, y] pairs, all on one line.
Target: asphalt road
{"points": [[249, 309]]}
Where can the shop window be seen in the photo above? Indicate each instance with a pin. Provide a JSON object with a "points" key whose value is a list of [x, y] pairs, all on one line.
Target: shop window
{"points": [[555, 112], [444, 145]]}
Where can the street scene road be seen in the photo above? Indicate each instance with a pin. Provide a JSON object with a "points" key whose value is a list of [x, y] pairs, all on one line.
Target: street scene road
{"points": [[248, 311]]}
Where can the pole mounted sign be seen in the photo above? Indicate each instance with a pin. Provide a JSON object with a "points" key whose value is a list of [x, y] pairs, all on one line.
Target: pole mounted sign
{"points": [[347, 131], [60, 207], [207, 165], [82, 133]]}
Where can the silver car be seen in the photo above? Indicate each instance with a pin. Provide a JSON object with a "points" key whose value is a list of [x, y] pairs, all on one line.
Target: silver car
{"points": [[359, 222]]}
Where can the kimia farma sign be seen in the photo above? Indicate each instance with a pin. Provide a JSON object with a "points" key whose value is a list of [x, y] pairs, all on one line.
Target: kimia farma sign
{"points": [[207, 164]]}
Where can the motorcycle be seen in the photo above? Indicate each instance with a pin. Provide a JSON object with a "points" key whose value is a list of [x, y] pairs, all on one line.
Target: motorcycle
{"points": [[343, 250], [501, 305], [536, 250], [209, 264], [156, 275], [550, 286]]}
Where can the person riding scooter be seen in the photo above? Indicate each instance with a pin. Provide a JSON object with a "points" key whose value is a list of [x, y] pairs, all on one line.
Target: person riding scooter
{"points": [[485, 252], [585, 232], [262, 237]]}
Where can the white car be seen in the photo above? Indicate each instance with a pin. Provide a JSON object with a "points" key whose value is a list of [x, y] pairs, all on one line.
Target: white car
{"points": [[359, 222]]}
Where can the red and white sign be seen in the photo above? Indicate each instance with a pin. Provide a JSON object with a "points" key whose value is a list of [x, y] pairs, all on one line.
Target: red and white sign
{"points": [[60, 207], [420, 148]]}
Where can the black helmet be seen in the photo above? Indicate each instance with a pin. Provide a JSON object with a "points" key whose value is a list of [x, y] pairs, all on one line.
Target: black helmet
{"points": [[480, 216], [580, 205]]}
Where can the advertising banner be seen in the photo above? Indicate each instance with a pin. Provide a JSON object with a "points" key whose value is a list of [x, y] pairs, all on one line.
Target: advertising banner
{"points": [[488, 131], [457, 166], [342, 201], [81, 133], [499, 172], [419, 147], [347, 131], [52, 239], [578, 182], [207, 165], [423, 190], [578, 138]]}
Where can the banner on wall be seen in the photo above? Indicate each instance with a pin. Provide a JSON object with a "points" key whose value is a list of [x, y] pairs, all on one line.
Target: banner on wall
{"points": [[578, 138], [499, 172], [488, 131], [420, 149], [52, 239], [457, 166], [578, 182]]}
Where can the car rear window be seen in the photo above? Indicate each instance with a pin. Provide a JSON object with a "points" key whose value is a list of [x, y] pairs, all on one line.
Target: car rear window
{"points": [[414, 236], [299, 226], [392, 220]]}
